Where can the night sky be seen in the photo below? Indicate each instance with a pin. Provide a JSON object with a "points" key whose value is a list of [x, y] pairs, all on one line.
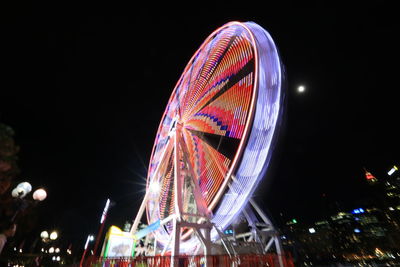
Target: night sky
{"points": [[85, 86]]}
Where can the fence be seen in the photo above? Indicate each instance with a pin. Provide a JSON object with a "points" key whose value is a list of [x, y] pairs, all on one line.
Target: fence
{"points": [[250, 260]]}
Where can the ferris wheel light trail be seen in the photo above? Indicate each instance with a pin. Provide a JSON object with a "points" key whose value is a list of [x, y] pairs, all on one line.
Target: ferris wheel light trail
{"points": [[216, 136]]}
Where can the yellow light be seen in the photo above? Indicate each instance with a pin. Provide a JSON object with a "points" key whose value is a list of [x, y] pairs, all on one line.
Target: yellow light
{"points": [[53, 235], [115, 230]]}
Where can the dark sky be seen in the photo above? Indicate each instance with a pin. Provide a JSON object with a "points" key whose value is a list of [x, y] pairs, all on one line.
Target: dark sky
{"points": [[85, 86]]}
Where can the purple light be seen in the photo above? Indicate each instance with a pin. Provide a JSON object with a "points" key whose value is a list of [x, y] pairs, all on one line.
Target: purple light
{"points": [[258, 151]]}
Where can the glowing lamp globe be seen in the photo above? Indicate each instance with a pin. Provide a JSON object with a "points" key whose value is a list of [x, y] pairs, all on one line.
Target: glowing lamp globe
{"points": [[44, 235], [40, 194], [16, 192], [53, 235], [25, 186], [21, 190]]}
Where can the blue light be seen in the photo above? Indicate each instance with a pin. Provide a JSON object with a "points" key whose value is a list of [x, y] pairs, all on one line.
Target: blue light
{"points": [[357, 230], [229, 231], [358, 211]]}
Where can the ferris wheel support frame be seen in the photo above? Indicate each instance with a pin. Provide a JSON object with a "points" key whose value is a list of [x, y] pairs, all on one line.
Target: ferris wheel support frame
{"points": [[269, 230], [202, 227]]}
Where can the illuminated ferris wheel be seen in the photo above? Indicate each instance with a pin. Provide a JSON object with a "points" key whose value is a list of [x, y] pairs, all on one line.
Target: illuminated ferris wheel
{"points": [[215, 139]]}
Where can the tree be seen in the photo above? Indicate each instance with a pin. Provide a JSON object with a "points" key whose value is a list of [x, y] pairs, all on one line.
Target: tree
{"points": [[8, 169]]}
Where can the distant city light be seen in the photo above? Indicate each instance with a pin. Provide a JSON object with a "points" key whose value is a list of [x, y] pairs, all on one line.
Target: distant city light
{"points": [[301, 89], [392, 170], [311, 230], [294, 221], [357, 230], [369, 176], [358, 211]]}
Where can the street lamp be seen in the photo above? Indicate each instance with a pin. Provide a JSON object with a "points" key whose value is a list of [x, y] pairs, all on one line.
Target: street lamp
{"points": [[392, 170], [54, 235], [25, 188], [39, 195], [44, 235], [21, 191], [89, 238]]}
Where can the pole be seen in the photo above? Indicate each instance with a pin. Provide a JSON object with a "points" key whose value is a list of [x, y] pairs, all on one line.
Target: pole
{"points": [[90, 237], [98, 239], [83, 256], [102, 222]]}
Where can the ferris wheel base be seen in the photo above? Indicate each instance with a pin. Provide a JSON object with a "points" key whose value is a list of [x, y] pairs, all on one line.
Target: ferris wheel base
{"points": [[261, 239]]}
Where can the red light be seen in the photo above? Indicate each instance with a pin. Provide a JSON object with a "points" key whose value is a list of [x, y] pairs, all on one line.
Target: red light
{"points": [[369, 176]]}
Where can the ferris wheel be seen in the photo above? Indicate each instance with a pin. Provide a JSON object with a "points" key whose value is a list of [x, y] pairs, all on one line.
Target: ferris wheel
{"points": [[215, 138]]}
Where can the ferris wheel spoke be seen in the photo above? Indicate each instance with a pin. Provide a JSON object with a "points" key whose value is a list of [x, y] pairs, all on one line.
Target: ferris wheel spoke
{"points": [[206, 72], [168, 146], [200, 201], [178, 100], [234, 79], [225, 145]]}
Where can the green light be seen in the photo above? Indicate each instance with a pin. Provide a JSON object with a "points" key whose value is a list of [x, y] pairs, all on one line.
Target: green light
{"points": [[294, 221]]}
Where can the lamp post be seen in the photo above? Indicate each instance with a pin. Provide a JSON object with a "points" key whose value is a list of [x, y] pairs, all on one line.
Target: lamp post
{"points": [[21, 191], [102, 221], [50, 250], [89, 238]]}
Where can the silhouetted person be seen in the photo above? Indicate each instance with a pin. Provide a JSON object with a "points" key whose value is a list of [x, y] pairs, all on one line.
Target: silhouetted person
{"points": [[8, 230]]}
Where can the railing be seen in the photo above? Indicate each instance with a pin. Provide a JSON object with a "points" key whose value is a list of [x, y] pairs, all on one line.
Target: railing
{"points": [[249, 260]]}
